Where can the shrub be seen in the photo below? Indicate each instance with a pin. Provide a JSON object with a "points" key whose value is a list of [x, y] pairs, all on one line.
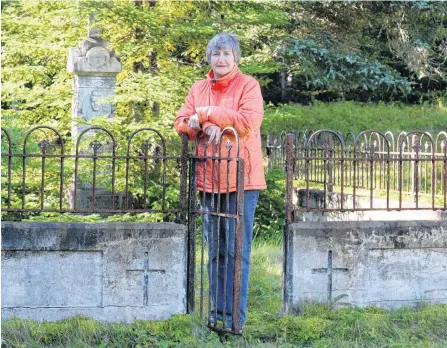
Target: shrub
{"points": [[345, 116], [270, 212]]}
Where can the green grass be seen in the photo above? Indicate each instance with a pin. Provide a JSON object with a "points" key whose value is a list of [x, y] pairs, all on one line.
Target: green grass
{"points": [[424, 326]]}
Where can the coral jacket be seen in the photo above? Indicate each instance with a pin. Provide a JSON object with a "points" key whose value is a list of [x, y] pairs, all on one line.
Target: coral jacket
{"points": [[234, 100]]}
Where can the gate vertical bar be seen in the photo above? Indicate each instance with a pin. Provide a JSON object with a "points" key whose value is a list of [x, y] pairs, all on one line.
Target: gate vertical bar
{"points": [[228, 146], [212, 231], [202, 241], [239, 230]]}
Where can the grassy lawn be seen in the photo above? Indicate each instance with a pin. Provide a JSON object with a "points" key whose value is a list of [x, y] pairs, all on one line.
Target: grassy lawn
{"points": [[425, 326]]}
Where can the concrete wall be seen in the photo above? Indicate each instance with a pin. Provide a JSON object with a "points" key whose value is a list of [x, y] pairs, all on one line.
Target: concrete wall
{"points": [[334, 199], [114, 272], [387, 264]]}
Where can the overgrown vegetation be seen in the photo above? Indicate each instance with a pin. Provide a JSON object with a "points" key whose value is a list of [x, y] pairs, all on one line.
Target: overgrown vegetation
{"points": [[299, 51], [270, 211], [266, 327], [269, 219], [345, 116]]}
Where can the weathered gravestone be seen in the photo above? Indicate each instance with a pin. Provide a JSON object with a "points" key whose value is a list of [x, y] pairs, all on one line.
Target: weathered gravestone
{"points": [[94, 70]]}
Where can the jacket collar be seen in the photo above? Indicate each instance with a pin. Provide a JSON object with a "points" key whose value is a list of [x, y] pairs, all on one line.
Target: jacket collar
{"points": [[222, 83]]}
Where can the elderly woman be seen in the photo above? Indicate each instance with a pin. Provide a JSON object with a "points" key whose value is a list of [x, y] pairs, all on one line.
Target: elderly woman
{"points": [[227, 97]]}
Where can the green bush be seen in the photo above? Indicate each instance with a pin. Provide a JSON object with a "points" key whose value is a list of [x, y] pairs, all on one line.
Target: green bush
{"points": [[345, 116], [270, 212]]}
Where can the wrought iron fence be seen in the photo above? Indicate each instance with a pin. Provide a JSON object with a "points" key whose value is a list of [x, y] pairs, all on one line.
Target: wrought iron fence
{"points": [[99, 174], [93, 174], [409, 172]]}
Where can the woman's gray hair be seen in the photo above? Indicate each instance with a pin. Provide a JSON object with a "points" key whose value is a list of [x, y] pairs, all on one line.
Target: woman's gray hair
{"points": [[224, 41]]}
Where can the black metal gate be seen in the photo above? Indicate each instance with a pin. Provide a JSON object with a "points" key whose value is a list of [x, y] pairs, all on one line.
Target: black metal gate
{"points": [[215, 225]]}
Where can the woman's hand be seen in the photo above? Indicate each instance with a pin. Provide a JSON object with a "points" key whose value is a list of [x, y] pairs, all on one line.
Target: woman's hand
{"points": [[194, 122], [214, 133]]}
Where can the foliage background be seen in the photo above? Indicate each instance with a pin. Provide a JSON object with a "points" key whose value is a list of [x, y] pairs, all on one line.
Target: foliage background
{"points": [[305, 54], [317, 68], [301, 52]]}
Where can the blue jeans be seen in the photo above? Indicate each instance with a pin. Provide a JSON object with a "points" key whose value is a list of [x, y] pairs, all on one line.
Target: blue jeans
{"points": [[219, 237]]}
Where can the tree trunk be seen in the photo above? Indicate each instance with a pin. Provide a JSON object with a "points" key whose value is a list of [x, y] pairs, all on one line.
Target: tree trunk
{"points": [[283, 84], [139, 108], [153, 68]]}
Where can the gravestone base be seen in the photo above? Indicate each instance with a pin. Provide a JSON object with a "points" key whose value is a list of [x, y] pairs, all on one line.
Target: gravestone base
{"points": [[103, 199], [389, 264], [114, 272]]}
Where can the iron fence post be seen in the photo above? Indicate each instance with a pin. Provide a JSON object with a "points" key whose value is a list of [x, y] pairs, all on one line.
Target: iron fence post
{"points": [[290, 162], [184, 180], [191, 266]]}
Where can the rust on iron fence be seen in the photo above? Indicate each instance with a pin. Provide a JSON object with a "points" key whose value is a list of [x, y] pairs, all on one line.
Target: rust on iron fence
{"points": [[370, 171], [217, 172], [94, 175]]}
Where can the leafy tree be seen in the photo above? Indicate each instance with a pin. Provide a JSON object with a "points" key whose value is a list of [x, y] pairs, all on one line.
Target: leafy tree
{"points": [[36, 89], [298, 51], [392, 50]]}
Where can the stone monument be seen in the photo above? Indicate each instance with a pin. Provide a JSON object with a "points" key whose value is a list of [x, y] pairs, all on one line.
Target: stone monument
{"points": [[94, 69]]}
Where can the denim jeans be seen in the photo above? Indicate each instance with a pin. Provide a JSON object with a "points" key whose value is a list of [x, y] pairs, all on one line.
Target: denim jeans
{"points": [[219, 233]]}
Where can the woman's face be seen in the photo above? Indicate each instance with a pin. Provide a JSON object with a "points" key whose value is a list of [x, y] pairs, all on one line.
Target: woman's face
{"points": [[222, 62]]}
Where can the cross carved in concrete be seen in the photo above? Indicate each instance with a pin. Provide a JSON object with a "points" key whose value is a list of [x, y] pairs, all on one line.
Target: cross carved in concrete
{"points": [[329, 270], [146, 270]]}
